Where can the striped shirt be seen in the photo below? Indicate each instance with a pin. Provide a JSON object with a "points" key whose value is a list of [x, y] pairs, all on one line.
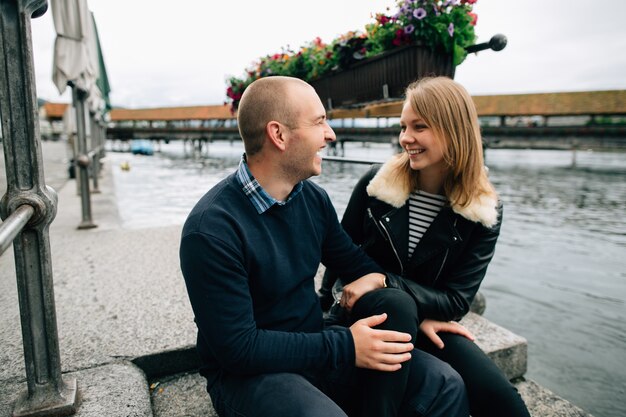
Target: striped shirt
{"points": [[423, 208], [259, 198]]}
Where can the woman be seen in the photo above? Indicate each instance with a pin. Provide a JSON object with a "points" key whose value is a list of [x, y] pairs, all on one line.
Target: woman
{"points": [[431, 218]]}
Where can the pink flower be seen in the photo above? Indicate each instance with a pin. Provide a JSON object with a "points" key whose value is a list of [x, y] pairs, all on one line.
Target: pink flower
{"points": [[419, 14]]}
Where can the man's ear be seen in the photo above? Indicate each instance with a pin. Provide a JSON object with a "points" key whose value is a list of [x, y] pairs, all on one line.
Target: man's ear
{"points": [[276, 134]]}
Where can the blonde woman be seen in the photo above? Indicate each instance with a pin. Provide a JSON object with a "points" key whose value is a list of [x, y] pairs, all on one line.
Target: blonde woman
{"points": [[431, 218]]}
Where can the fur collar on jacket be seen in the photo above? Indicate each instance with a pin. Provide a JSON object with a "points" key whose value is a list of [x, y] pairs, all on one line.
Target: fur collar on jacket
{"points": [[386, 187]]}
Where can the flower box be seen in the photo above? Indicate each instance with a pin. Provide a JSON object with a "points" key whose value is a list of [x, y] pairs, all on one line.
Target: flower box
{"points": [[382, 77]]}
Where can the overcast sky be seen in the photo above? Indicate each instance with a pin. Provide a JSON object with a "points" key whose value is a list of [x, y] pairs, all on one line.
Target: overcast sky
{"points": [[161, 53]]}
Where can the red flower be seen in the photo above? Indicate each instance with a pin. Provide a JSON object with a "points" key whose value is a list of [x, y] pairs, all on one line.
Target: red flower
{"points": [[382, 19], [474, 18], [401, 38]]}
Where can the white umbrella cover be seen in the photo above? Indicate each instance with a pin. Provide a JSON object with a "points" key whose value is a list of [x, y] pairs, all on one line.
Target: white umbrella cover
{"points": [[73, 61]]}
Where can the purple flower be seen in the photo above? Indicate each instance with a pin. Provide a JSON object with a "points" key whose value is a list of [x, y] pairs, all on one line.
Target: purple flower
{"points": [[419, 14], [451, 29], [409, 29], [436, 10]]}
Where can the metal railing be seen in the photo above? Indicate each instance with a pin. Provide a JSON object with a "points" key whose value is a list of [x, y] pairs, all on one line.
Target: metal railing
{"points": [[27, 209]]}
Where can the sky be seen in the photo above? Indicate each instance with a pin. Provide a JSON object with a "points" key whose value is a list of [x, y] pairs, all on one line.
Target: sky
{"points": [[161, 53]]}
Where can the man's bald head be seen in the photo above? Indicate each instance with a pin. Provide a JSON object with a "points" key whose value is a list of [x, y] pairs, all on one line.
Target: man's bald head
{"points": [[265, 100]]}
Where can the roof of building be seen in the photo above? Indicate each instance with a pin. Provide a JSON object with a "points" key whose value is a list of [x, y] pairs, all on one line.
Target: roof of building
{"points": [[552, 104], [542, 104], [54, 110], [610, 102], [221, 111]]}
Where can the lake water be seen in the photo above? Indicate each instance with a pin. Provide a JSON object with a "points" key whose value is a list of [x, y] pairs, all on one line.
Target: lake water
{"points": [[559, 274]]}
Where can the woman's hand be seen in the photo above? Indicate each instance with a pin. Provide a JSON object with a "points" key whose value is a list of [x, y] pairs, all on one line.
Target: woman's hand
{"points": [[356, 289], [431, 327]]}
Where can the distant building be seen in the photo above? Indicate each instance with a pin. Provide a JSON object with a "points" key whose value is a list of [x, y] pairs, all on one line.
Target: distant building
{"points": [[51, 123]]}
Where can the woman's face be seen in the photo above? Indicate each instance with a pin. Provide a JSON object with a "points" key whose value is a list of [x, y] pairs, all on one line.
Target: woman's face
{"points": [[419, 141]]}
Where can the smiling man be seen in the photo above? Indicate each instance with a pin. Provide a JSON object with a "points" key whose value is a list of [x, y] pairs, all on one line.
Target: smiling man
{"points": [[249, 253]]}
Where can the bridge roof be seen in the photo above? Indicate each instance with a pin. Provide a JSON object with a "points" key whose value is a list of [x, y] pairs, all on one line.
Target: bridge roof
{"points": [[611, 102], [221, 111]]}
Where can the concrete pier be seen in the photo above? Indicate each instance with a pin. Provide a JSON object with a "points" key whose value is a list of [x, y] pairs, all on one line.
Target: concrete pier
{"points": [[126, 330]]}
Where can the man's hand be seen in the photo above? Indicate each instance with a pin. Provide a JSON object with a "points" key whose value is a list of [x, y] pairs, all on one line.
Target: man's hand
{"points": [[356, 289], [381, 350], [431, 327]]}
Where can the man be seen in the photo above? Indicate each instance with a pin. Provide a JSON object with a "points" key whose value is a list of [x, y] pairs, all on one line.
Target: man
{"points": [[249, 253]]}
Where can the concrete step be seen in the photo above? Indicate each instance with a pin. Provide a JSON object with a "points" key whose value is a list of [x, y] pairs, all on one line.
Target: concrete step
{"points": [[542, 402], [184, 395], [116, 389], [508, 350]]}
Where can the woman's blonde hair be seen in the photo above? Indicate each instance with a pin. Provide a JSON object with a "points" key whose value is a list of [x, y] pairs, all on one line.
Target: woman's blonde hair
{"points": [[448, 109]]}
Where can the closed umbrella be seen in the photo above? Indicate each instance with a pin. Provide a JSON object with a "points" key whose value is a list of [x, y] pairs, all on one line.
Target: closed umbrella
{"points": [[73, 61]]}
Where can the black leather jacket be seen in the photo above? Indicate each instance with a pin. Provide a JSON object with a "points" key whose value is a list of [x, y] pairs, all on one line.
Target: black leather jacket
{"points": [[447, 266]]}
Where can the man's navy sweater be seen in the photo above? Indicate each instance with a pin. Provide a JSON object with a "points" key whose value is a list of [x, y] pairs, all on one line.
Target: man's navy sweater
{"points": [[250, 280]]}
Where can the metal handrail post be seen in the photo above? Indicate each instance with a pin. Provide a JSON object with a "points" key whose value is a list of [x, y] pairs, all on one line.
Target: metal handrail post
{"points": [[103, 137], [95, 159], [82, 159], [100, 140], [48, 392]]}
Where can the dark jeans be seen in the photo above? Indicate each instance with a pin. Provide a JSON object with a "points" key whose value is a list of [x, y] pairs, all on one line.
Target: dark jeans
{"points": [[425, 386], [490, 393]]}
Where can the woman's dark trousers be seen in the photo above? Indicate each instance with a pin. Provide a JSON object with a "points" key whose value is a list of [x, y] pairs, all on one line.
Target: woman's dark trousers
{"points": [[489, 391]]}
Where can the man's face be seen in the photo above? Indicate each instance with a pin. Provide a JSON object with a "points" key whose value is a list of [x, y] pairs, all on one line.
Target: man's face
{"points": [[308, 136]]}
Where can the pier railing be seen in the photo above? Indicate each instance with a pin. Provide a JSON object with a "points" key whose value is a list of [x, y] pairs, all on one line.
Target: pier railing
{"points": [[600, 137], [27, 209], [88, 149]]}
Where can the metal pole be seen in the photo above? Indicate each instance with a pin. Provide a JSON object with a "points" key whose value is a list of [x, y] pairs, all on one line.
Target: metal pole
{"points": [[102, 135], [82, 159], [48, 392], [95, 143]]}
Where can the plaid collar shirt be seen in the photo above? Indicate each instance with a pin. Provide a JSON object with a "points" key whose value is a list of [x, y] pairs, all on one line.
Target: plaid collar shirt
{"points": [[259, 198]]}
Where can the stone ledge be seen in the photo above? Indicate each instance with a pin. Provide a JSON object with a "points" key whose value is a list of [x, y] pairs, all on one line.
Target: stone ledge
{"points": [[508, 350], [118, 389], [181, 395], [185, 395], [542, 402]]}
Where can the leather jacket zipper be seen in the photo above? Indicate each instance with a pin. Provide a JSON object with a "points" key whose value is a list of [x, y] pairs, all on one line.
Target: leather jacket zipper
{"points": [[380, 225], [442, 264], [445, 257]]}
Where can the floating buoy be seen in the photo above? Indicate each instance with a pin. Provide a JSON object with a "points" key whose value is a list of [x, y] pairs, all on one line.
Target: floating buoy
{"points": [[125, 166]]}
